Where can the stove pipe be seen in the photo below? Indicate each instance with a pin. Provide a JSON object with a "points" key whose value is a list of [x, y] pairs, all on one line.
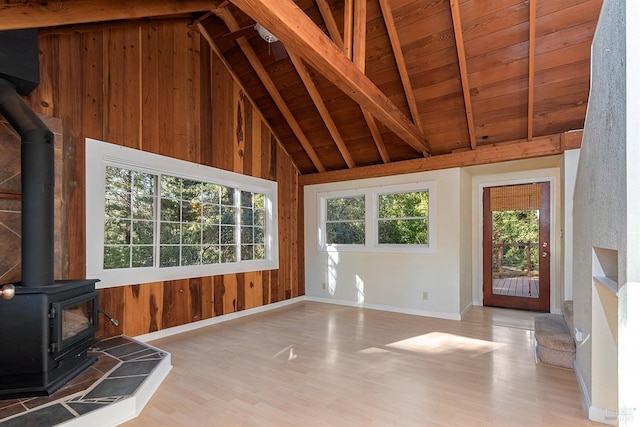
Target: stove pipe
{"points": [[37, 162]]}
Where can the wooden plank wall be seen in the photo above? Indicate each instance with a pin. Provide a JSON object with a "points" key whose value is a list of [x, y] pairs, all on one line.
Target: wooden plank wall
{"points": [[155, 86]]}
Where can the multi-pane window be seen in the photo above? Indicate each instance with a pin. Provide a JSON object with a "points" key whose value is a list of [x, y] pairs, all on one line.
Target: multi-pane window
{"points": [[161, 218], [345, 221], [403, 218], [129, 218], [392, 218], [251, 225], [199, 222]]}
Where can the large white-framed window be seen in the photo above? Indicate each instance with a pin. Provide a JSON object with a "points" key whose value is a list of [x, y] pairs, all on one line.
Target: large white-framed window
{"points": [[153, 218], [393, 218]]}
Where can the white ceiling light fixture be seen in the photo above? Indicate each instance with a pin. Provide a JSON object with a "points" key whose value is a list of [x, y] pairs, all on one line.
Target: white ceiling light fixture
{"points": [[265, 34]]}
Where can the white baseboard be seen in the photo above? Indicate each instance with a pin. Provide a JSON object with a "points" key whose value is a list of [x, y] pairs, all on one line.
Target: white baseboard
{"points": [[424, 313], [466, 310], [214, 320], [595, 413]]}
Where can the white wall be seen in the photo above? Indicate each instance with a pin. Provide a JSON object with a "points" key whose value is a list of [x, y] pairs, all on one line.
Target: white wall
{"points": [[393, 281], [517, 172], [466, 240], [452, 274], [569, 171]]}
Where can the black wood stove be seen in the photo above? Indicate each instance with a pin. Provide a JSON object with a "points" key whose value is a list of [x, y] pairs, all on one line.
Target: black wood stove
{"points": [[46, 326]]}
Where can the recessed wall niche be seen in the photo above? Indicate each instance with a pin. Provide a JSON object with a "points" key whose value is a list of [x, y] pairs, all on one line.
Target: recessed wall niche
{"points": [[604, 333]]}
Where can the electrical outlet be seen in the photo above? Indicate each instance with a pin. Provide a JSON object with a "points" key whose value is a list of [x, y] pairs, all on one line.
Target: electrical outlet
{"points": [[425, 295], [324, 286]]}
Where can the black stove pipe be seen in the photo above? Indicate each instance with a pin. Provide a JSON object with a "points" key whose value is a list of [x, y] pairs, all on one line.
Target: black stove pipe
{"points": [[37, 178]]}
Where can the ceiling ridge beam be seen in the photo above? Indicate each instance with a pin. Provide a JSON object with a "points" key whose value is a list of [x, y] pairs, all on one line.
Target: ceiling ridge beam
{"points": [[321, 107], [330, 23], [263, 75], [214, 47], [300, 34], [464, 75], [348, 28], [389, 22], [532, 69], [360, 59], [485, 154], [371, 123], [53, 13]]}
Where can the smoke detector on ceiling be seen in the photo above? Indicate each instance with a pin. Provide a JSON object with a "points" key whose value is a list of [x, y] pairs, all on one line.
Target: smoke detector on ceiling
{"points": [[265, 34]]}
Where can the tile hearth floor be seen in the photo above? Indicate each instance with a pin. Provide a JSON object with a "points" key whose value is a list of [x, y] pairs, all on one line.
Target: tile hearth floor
{"points": [[122, 367]]}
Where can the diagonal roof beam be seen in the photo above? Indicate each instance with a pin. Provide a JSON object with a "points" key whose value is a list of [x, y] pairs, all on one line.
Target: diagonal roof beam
{"points": [[52, 13], [330, 22], [327, 16], [301, 35], [248, 51], [532, 69], [389, 22], [464, 75], [321, 107]]}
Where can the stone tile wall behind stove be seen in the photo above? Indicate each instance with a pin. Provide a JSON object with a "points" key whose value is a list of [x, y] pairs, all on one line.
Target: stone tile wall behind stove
{"points": [[10, 208]]}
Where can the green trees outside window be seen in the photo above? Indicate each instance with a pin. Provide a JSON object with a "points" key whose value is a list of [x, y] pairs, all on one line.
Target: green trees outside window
{"points": [[403, 218], [189, 222], [399, 218]]}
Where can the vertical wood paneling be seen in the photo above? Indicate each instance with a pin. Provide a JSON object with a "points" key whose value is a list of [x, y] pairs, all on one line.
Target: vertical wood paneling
{"points": [[166, 101], [239, 129], [207, 295], [143, 311], [253, 289], [155, 86], [241, 294], [230, 298], [111, 301], [176, 303], [92, 84], [150, 89]]}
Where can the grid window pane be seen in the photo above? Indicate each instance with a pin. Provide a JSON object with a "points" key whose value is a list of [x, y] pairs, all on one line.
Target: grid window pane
{"points": [[345, 233], [198, 221], [116, 257], [403, 218]]}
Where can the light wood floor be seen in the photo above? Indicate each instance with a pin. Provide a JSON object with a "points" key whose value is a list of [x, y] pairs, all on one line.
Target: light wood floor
{"points": [[314, 364]]}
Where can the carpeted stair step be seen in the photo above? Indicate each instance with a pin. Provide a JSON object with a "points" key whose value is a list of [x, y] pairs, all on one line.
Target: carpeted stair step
{"points": [[554, 341]]}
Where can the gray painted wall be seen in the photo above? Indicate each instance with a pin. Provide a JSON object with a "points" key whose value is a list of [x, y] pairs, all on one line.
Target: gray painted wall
{"points": [[606, 199]]}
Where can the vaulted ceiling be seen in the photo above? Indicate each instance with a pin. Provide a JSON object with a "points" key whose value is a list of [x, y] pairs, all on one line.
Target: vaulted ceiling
{"points": [[402, 84]]}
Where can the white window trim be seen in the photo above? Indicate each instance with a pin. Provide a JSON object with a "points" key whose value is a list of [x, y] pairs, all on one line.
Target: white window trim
{"points": [[371, 218], [99, 154]]}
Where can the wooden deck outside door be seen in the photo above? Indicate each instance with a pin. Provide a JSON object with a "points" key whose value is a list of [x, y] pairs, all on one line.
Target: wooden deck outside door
{"points": [[515, 287]]}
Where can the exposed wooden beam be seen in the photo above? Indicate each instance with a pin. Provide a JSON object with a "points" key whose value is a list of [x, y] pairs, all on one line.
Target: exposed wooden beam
{"points": [[300, 34], [377, 138], [248, 51], [52, 13], [321, 107], [330, 22], [464, 75], [532, 69], [348, 28], [389, 22], [360, 34], [486, 154], [257, 113], [371, 123]]}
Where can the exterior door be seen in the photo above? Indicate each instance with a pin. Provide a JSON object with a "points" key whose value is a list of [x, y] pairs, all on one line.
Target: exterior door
{"points": [[516, 246]]}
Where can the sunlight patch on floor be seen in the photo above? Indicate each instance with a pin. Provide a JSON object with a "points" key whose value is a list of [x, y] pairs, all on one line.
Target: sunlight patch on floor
{"points": [[441, 343]]}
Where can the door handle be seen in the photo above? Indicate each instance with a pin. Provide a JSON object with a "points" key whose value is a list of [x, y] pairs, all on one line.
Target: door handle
{"points": [[544, 244], [544, 254]]}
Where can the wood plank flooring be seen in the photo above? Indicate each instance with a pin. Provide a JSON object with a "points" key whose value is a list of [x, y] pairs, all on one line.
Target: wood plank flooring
{"points": [[517, 287], [314, 364]]}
